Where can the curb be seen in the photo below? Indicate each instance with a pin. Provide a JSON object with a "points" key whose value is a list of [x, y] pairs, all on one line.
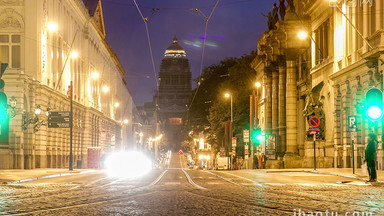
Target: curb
{"points": [[50, 176], [333, 174]]}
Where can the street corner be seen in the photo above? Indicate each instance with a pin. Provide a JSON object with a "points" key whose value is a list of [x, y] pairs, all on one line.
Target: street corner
{"points": [[376, 184], [355, 183]]}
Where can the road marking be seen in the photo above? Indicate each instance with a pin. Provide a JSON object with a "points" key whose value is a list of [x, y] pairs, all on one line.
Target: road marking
{"points": [[158, 178], [191, 181], [250, 180], [225, 179], [214, 183], [172, 183]]}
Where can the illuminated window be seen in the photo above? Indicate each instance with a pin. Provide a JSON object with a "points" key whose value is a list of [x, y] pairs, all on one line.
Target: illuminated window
{"points": [[10, 50], [321, 38]]}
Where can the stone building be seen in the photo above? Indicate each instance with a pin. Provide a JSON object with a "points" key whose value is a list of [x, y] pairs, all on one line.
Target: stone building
{"points": [[174, 91], [42, 65], [324, 74]]}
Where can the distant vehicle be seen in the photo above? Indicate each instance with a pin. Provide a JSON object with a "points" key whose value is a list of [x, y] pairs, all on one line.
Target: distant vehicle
{"points": [[222, 163]]}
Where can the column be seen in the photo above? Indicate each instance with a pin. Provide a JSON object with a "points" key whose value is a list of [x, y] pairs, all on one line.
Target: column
{"points": [[337, 125], [366, 25], [281, 148], [275, 100], [291, 107], [379, 15], [268, 99]]}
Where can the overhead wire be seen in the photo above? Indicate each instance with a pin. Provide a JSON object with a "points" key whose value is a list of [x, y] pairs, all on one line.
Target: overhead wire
{"points": [[145, 20], [202, 55]]}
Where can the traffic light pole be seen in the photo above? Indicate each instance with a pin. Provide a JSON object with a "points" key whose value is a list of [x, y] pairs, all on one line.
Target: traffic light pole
{"points": [[353, 153], [314, 151]]}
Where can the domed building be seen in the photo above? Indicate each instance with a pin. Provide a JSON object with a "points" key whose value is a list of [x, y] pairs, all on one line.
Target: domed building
{"points": [[174, 91]]}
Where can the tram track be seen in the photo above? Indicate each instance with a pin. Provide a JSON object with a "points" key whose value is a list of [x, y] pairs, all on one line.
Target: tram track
{"points": [[82, 201], [303, 195]]}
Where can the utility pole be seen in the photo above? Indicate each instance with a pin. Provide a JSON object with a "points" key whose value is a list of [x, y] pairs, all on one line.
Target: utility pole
{"points": [[70, 91]]}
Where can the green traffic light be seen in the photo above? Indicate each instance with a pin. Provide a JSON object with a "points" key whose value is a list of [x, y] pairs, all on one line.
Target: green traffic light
{"points": [[374, 104], [259, 137], [374, 112]]}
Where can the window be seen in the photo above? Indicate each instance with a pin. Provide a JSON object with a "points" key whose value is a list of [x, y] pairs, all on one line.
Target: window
{"points": [[10, 50], [321, 38]]}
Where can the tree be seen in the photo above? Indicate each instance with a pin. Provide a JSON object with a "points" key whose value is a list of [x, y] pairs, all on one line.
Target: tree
{"points": [[210, 109]]}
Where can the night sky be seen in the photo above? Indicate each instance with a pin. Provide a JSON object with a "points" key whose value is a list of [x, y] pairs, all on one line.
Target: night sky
{"points": [[232, 31]]}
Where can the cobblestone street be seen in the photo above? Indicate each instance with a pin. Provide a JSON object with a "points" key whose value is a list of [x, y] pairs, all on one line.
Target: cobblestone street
{"points": [[178, 191]]}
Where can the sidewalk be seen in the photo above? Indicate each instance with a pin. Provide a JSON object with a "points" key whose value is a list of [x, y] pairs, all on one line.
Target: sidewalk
{"points": [[342, 172], [21, 175]]}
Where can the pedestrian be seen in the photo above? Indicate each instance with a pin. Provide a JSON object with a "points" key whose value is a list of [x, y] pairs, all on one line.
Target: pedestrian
{"points": [[263, 160], [370, 157]]}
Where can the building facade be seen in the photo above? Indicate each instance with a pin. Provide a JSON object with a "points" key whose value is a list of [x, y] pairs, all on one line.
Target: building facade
{"points": [[174, 91], [325, 74], [49, 44]]}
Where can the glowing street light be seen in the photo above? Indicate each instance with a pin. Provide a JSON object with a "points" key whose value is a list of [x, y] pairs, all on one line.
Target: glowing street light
{"points": [[38, 110], [95, 75], [257, 84], [74, 54], [125, 121], [52, 27], [105, 88], [117, 104], [302, 35]]}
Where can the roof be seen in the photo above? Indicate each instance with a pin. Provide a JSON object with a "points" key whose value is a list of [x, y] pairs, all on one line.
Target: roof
{"points": [[91, 5], [175, 48]]}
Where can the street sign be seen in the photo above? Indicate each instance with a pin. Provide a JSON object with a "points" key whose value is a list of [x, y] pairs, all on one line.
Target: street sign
{"points": [[314, 129], [69, 92], [234, 142], [246, 152], [352, 124], [246, 147], [58, 125], [313, 133], [246, 136], [59, 114], [58, 120], [314, 121]]}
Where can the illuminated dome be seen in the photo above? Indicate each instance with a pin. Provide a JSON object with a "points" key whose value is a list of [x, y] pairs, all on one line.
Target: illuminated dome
{"points": [[175, 50]]}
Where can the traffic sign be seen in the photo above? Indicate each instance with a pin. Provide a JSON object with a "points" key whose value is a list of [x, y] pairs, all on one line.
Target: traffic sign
{"points": [[234, 142], [58, 125], [246, 136], [314, 129], [314, 121], [310, 133], [59, 120], [352, 124]]}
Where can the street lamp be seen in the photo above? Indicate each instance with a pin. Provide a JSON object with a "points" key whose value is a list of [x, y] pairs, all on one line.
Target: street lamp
{"points": [[52, 27], [227, 95], [95, 75], [302, 35], [105, 89]]}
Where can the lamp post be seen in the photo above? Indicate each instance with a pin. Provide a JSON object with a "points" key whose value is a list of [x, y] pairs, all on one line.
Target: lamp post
{"points": [[227, 95]]}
